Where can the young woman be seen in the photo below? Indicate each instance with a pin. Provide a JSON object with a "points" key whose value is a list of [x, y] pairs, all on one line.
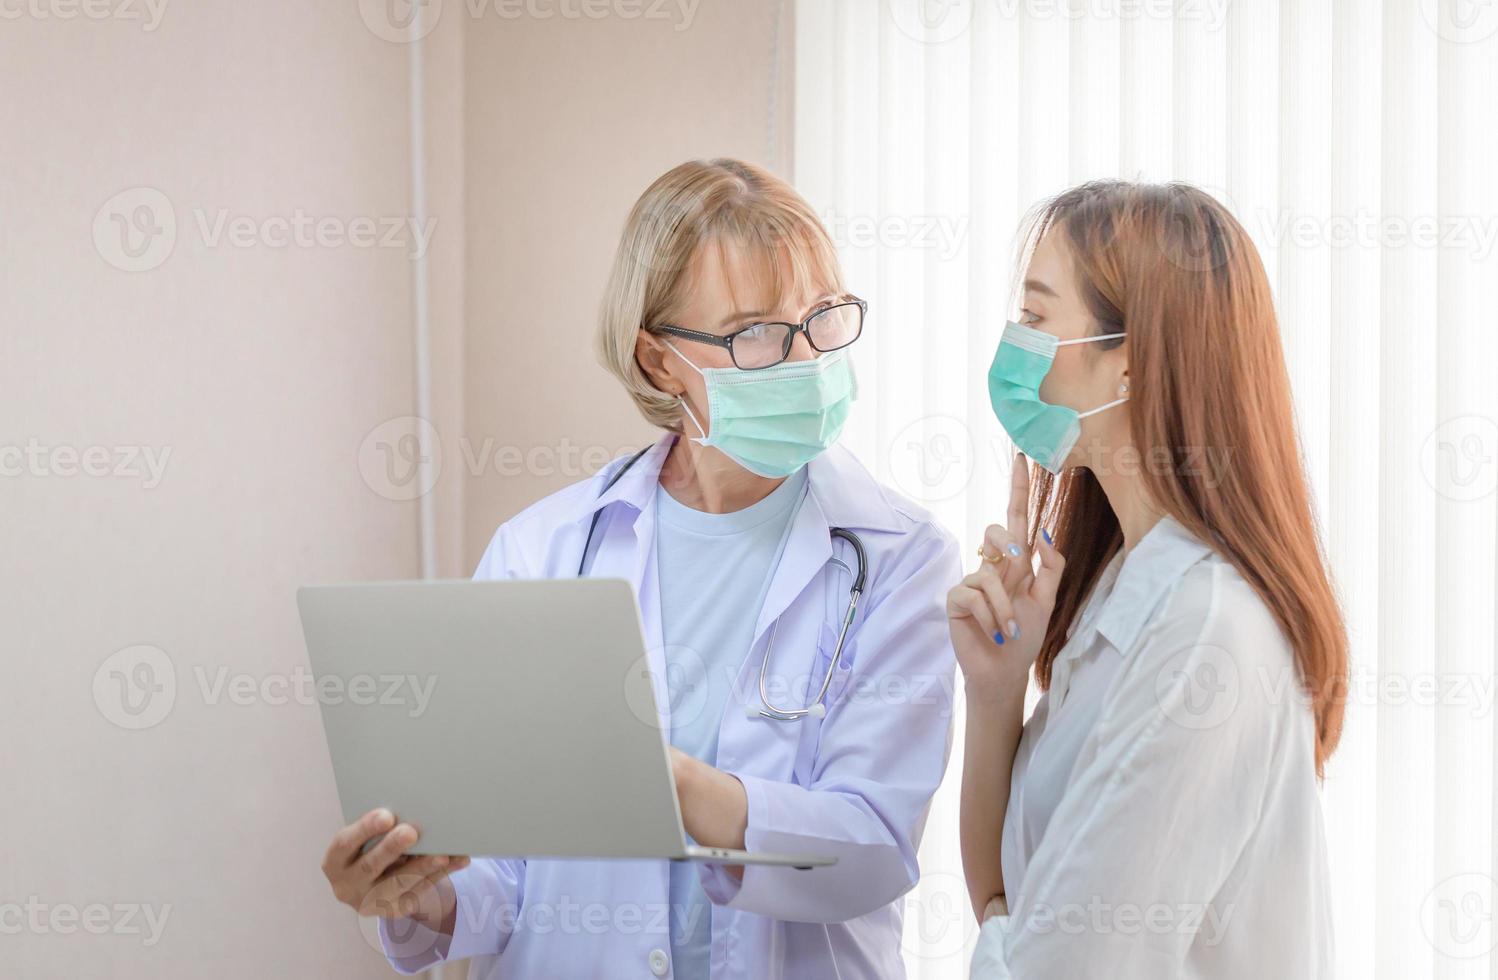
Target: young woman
{"points": [[1157, 815], [743, 530]]}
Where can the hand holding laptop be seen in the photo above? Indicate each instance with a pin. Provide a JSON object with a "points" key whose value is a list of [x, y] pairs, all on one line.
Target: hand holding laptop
{"points": [[379, 879]]}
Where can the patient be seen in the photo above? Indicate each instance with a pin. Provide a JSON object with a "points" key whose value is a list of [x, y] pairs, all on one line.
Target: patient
{"points": [[1157, 816]]}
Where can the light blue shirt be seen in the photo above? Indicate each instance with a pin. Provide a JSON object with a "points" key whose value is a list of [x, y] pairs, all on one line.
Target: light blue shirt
{"points": [[713, 570]]}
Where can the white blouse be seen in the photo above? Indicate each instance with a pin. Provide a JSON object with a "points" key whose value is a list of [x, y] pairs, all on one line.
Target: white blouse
{"points": [[1163, 813]]}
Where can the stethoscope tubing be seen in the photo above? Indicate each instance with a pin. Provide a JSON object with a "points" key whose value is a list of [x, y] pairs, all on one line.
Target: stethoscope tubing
{"points": [[817, 707]]}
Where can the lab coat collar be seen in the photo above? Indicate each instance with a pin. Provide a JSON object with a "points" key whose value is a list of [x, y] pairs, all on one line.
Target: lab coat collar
{"points": [[1149, 572], [636, 488], [840, 493]]}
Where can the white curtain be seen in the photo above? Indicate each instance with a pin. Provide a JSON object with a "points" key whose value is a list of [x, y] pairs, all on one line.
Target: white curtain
{"points": [[1358, 142]]}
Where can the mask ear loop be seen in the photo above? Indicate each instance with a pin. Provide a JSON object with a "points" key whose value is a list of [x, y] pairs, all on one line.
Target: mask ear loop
{"points": [[688, 409], [702, 433], [1103, 408], [1090, 340]]}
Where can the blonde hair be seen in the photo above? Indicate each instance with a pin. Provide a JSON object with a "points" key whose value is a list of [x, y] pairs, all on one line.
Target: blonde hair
{"points": [[721, 203]]}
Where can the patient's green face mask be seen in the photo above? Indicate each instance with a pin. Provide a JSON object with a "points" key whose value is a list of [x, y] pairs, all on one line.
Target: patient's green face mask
{"points": [[775, 420], [1046, 433]]}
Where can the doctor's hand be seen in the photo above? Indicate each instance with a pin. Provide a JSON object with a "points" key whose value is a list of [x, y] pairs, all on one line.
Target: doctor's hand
{"points": [[998, 615], [386, 882]]}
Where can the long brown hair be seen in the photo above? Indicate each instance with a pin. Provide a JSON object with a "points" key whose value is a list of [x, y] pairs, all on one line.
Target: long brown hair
{"points": [[1170, 267]]}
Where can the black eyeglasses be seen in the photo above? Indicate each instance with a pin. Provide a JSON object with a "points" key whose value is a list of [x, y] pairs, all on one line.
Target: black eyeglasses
{"points": [[762, 345]]}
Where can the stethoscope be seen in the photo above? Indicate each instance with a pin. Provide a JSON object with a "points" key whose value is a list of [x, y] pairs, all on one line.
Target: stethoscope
{"points": [[818, 706]]}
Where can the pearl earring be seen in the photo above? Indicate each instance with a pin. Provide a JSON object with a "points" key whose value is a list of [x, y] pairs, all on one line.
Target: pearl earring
{"points": [[1123, 389]]}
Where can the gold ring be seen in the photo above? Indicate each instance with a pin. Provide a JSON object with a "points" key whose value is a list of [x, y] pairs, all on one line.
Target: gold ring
{"points": [[991, 559]]}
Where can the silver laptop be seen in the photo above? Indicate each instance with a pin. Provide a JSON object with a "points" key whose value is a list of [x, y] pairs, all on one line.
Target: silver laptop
{"points": [[504, 718]]}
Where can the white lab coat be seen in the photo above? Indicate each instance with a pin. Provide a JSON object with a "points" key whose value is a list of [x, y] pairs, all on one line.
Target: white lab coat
{"points": [[855, 785]]}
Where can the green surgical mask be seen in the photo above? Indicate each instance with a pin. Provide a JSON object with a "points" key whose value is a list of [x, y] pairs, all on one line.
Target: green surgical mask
{"points": [[1046, 433], [775, 420]]}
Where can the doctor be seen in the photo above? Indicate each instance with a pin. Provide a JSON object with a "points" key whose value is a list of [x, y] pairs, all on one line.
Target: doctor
{"points": [[727, 321]]}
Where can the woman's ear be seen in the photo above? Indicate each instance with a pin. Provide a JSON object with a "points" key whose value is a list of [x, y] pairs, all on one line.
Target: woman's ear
{"points": [[650, 354]]}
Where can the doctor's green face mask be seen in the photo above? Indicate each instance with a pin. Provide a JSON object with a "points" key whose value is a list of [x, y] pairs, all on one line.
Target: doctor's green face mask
{"points": [[773, 421], [1046, 433]]}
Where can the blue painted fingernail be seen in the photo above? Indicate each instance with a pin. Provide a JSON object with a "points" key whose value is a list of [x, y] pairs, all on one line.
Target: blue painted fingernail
{"points": [[999, 638], [1014, 550], [1047, 535]]}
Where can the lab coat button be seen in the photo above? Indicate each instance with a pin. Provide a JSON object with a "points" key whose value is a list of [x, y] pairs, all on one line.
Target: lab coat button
{"points": [[660, 964]]}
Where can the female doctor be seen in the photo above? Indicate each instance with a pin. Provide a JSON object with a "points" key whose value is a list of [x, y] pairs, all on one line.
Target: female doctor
{"points": [[745, 531]]}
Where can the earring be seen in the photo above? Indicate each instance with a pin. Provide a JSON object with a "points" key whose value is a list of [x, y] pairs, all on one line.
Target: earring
{"points": [[1123, 389]]}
